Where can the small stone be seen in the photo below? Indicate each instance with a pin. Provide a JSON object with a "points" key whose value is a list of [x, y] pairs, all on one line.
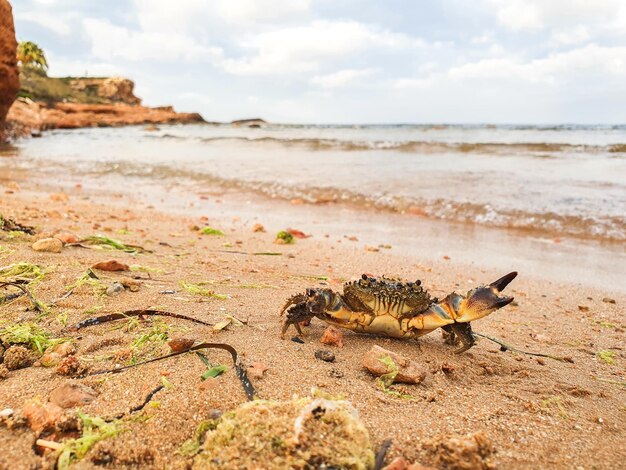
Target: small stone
{"points": [[115, 289], [6, 413], [180, 344], [408, 371], [372, 249], [325, 355], [4, 372], [71, 394], [50, 359], [258, 228], [67, 237], [64, 349], [583, 308], [257, 369], [49, 245], [332, 337], [608, 300], [18, 357], [41, 416], [111, 265], [399, 463], [131, 284], [295, 339]]}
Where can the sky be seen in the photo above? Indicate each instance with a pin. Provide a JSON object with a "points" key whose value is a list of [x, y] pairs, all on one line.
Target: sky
{"points": [[349, 61]]}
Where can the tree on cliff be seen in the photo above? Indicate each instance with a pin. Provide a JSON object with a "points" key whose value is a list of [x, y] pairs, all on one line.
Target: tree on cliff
{"points": [[30, 54]]}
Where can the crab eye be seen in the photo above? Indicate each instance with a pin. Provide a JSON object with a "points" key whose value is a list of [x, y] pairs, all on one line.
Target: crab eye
{"points": [[310, 292], [418, 282], [364, 277]]}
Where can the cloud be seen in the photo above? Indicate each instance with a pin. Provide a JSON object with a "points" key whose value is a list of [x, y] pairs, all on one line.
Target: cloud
{"points": [[341, 78], [560, 67], [307, 48], [535, 15], [60, 25], [109, 42]]}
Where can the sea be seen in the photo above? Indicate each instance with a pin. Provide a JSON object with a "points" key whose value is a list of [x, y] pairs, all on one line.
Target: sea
{"points": [[556, 184]]}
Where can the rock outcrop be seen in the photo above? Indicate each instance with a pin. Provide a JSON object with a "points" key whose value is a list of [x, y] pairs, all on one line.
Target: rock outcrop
{"points": [[116, 89], [9, 81], [27, 116]]}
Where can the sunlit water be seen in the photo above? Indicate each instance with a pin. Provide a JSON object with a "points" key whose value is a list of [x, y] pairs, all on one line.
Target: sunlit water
{"points": [[559, 181]]}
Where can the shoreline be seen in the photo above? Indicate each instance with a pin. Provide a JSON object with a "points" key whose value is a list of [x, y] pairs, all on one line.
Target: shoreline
{"points": [[586, 262], [489, 391]]}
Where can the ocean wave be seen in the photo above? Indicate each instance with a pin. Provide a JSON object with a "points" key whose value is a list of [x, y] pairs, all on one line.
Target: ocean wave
{"points": [[411, 146], [601, 227]]}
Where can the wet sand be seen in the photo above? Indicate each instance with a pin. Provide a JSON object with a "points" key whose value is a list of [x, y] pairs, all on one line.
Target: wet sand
{"points": [[536, 413]]}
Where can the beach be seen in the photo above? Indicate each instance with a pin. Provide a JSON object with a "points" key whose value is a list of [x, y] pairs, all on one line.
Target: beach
{"points": [[535, 412]]}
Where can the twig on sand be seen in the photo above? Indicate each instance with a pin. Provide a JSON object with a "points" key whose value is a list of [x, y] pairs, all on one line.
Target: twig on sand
{"points": [[507, 347]]}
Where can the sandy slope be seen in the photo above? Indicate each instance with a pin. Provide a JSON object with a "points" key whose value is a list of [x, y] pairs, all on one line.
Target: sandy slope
{"points": [[536, 413]]}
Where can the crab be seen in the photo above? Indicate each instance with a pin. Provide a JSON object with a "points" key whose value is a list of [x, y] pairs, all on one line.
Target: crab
{"points": [[389, 307]]}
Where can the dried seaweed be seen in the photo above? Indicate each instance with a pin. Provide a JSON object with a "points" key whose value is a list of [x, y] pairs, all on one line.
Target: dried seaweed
{"points": [[37, 305], [10, 225], [106, 242], [239, 368], [507, 347]]}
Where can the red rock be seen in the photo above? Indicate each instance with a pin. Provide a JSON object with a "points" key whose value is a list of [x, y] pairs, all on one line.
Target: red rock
{"points": [[67, 237], [332, 337], [41, 416], [399, 463], [408, 371], [9, 81], [111, 265], [258, 228], [297, 233], [180, 344], [71, 394], [257, 369]]}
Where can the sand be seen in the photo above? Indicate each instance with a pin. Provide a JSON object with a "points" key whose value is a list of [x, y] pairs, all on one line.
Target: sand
{"points": [[536, 413]]}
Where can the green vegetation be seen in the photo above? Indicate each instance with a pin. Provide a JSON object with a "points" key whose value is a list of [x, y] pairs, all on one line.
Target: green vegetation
{"points": [[107, 242], [210, 231], [608, 357], [386, 380], [30, 335], [30, 54], [94, 430], [199, 290], [21, 272], [191, 446], [286, 237]]}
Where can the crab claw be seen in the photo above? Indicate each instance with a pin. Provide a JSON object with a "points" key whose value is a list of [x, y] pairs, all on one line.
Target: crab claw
{"points": [[504, 281], [482, 301]]}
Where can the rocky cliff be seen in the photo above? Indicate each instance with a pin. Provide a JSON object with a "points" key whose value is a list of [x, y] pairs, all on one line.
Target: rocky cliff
{"points": [[9, 83], [71, 102]]}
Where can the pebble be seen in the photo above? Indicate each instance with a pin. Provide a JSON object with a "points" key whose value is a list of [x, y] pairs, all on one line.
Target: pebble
{"points": [[181, 344], [111, 265], [325, 355], [72, 394], [67, 237], [608, 300], [409, 371], [332, 337], [42, 416], [115, 289], [49, 245]]}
